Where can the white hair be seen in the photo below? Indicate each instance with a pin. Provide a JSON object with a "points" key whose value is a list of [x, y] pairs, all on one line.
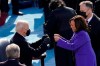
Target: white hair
{"points": [[13, 51], [20, 24]]}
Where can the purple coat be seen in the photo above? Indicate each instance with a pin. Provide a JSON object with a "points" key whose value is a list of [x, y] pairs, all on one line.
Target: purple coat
{"points": [[80, 44]]}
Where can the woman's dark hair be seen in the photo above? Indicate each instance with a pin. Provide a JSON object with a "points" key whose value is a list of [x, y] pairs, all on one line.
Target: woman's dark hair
{"points": [[55, 3], [80, 23]]}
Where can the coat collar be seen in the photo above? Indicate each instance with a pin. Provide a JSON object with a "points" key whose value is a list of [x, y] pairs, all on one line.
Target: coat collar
{"points": [[19, 36]]}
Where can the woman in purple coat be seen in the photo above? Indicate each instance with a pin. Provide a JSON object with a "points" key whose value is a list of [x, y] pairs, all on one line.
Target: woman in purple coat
{"points": [[80, 42]]}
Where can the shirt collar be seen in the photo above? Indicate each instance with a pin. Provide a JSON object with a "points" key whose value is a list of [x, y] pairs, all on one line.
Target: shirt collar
{"points": [[90, 18]]}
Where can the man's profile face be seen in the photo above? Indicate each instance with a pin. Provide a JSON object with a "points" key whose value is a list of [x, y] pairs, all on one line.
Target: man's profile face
{"points": [[83, 8], [25, 29]]}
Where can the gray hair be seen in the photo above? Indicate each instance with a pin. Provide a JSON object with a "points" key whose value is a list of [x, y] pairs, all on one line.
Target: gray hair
{"points": [[13, 51], [88, 4]]}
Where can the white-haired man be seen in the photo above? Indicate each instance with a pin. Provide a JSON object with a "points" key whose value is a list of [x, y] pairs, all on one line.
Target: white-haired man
{"points": [[27, 50], [13, 53]]}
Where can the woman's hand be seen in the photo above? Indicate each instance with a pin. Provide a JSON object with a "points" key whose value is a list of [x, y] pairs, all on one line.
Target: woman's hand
{"points": [[56, 37]]}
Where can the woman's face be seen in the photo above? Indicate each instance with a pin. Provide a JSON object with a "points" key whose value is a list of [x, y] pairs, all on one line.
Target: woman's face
{"points": [[72, 25]]}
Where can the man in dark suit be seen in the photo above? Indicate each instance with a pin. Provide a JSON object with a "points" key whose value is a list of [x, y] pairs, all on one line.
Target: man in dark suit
{"points": [[27, 50], [86, 8], [58, 22], [13, 53]]}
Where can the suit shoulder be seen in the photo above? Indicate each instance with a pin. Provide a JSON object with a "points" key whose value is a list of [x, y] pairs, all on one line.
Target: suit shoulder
{"points": [[96, 17], [69, 8], [22, 64]]}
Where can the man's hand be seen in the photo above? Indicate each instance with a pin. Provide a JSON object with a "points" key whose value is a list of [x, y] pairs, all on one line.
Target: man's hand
{"points": [[46, 40]]}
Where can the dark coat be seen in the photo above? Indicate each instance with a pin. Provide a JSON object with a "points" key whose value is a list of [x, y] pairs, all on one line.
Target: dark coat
{"points": [[27, 52], [94, 25], [95, 36], [58, 22], [10, 62]]}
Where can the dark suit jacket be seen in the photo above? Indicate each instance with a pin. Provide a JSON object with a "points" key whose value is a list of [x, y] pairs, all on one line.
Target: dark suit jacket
{"points": [[58, 22], [27, 52], [94, 25], [11, 63], [95, 36]]}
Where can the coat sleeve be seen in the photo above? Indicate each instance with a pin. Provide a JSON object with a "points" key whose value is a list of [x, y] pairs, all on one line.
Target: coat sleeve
{"points": [[36, 52], [79, 41]]}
